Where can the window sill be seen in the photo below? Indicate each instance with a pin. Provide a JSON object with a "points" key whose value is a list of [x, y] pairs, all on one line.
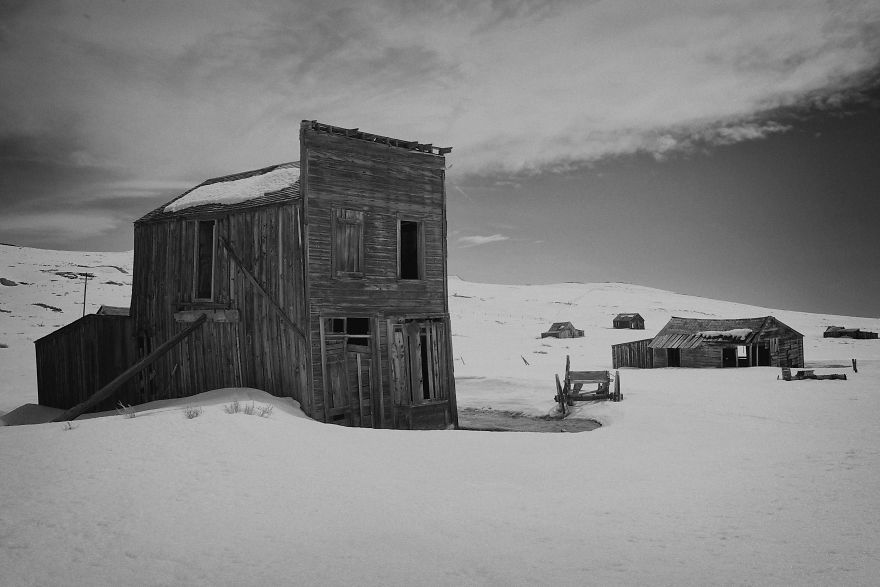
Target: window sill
{"points": [[221, 316]]}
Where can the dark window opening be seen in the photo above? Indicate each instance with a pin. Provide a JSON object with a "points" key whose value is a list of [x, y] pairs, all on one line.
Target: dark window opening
{"points": [[426, 373], [357, 326], [204, 278], [356, 331], [410, 253]]}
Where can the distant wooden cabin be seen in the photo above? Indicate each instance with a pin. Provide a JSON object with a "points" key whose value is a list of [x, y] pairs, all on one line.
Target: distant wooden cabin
{"points": [[323, 280], [841, 332], [562, 330], [697, 342], [631, 321]]}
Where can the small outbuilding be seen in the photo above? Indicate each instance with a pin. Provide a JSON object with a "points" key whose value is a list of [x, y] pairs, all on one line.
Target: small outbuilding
{"points": [[84, 356], [841, 332], [699, 342], [629, 321], [562, 330]]}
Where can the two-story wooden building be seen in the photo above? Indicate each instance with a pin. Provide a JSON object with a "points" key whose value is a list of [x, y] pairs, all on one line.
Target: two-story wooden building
{"points": [[323, 280]]}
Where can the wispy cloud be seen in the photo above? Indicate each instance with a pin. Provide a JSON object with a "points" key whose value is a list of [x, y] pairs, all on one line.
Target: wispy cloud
{"points": [[477, 240], [168, 90], [60, 226]]}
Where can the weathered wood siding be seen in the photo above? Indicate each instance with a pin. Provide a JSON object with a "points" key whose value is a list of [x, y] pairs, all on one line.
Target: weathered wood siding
{"points": [[632, 354], [660, 358], [705, 355], [79, 359], [259, 350], [387, 184], [789, 352]]}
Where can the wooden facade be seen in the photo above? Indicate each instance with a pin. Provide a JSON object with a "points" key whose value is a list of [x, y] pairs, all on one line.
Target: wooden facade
{"points": [[329, 289], [629, 321], [701, 343], [378, 315], [633, 354], [78, 359]]}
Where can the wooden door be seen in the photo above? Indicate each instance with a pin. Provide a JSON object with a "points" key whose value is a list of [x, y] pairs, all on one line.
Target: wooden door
{"points": [[359, 368], [728, 357]]}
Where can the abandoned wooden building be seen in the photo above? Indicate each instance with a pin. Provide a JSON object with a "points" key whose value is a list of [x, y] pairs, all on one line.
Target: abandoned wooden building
{"points": [[698, 342], [323, 280], [630, 321], [562, 330], [841, 332]]}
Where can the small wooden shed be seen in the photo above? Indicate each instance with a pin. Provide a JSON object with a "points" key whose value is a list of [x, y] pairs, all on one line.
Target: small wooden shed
{"points": [[562, 330], [629, 321], [841, 332]]}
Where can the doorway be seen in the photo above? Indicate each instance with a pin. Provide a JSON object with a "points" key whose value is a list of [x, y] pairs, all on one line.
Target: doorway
{"points": [[728, 357]]}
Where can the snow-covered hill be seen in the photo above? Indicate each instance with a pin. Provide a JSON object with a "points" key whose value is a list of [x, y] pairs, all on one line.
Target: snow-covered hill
{"points": [[699, 477]]}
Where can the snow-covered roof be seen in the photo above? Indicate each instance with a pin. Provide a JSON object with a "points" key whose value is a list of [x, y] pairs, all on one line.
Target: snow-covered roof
{"points": [[731, 334], [229, 193], [237, 190]]}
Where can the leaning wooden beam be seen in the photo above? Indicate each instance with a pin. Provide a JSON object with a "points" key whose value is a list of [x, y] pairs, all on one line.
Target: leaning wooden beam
{"points": [[262, 289], [114, 386]]}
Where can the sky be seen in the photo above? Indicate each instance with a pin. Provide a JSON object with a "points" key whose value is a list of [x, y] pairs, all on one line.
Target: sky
{"points": [[722, 149]]}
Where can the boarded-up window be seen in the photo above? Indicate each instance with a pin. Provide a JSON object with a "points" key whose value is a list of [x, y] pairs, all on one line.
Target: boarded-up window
{"points": [[204, 269], [348, 243], [409, 248]]}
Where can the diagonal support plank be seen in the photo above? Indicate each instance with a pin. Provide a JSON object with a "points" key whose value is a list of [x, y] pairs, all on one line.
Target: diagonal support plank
{"points": [[114, 386], [256, 283]]}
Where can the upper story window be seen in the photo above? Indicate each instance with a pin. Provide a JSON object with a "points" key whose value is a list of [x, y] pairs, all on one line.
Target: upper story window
{"points": [[203, 276], [410, 253], [347, 243]]}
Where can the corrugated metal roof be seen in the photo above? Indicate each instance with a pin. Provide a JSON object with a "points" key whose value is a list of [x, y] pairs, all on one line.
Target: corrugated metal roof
{"points": [[287, 194], [675, 341]]}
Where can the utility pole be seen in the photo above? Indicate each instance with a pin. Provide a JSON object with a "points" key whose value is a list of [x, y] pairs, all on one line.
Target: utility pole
{"points": [[85, 289]]}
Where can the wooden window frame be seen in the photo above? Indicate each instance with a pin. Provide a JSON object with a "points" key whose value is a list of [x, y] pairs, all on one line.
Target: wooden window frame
{"points": [[196, 251], [341, 217], [331, 331], [420, 253]]}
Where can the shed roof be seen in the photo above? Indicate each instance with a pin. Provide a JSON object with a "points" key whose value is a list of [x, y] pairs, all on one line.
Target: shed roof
{"points": [[559, 326], [234, 192], [688, 333], [113, 311]]}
